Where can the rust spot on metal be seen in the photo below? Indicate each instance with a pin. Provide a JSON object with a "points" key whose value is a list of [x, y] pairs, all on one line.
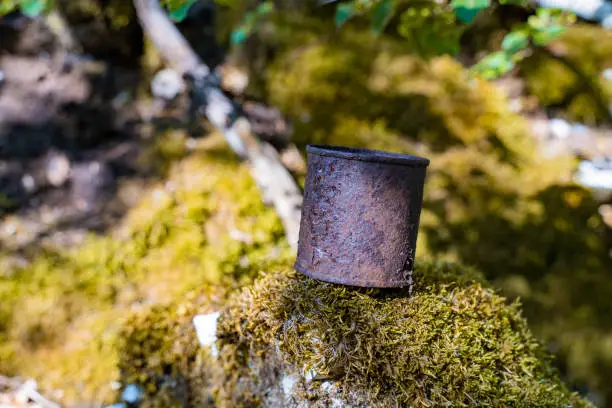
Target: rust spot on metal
{"points": [[360, 216]]}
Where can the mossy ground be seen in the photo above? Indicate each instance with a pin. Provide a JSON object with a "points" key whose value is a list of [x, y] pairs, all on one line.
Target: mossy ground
{"points": [[159, 352], [454, 342], [204, 227]]}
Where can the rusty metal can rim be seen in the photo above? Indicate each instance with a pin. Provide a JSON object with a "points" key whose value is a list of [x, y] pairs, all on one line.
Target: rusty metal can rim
{"points": [[368, 155]]}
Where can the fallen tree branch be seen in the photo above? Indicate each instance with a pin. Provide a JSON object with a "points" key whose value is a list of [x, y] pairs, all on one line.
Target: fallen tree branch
{"points": [[14, 393], [277, 185], [56, 22]]}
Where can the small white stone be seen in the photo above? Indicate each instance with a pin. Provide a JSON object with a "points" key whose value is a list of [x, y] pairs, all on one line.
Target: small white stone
{"points": [[27, 181], [310, 375], [58, 170], [167, 84], [337, 403], [593, 175], [580, 129], [159, 194], [288, 383], [606, 214], [131, 394], [206, 330], [191, 143], [25, 391], [559, 128], [170, 186], [234, 80], [327, 386]]}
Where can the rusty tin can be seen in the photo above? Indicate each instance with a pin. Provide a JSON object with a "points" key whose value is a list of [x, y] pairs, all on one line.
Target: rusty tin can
{"points": [[360, 216]]}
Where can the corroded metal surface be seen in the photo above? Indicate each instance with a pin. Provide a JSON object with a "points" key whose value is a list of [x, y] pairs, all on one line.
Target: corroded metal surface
{"points": [[360, 216]]}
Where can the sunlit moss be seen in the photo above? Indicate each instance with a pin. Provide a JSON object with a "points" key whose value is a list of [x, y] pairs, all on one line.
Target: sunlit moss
{"points": [[205, 225], [160, 353], [454, 342]]}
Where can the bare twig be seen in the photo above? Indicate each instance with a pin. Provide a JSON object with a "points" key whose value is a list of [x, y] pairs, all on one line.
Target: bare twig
{"points": [[277, 185], [13, 391], [57, 24]]}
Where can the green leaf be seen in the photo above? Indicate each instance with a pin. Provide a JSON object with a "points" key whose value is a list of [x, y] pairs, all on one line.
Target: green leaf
{"points": [[265, 8], [33, 8], [494, 65], [467, 15], [239, 35], [515, 41], [499, 61], [180, 13], [471, 4], [7, 6], [381, 15], [467, 10], [344, 12], [547, 34]]}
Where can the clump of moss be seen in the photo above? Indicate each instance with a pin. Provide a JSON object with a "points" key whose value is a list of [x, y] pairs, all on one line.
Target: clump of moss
{"points": [[204, 227], [160, 353], [454, 342]]}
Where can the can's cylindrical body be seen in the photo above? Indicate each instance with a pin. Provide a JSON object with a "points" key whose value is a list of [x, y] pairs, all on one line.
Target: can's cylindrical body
{"points": [[360, 216]]}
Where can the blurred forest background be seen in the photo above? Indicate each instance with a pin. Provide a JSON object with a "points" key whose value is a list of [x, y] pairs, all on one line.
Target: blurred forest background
{"points": [[117, 196]]}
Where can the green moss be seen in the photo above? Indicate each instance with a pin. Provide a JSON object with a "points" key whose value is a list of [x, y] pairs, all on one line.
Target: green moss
{"points": [[203, 227], [159, 352], [454, 342]]}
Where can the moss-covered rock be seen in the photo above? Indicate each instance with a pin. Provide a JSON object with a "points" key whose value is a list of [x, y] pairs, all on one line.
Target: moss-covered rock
{"points": [[454, 342], [292, 341]]}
